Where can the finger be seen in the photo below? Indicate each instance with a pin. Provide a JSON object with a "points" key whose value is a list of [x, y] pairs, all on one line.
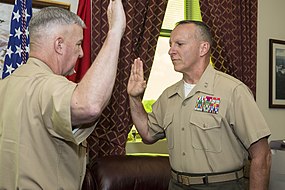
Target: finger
{"points": [[140, 68], [132, 71], [134, 67], [144, 84]]}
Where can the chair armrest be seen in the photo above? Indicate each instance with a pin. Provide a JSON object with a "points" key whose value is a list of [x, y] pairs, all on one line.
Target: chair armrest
{"points": [[131, 172], [88, 183]]}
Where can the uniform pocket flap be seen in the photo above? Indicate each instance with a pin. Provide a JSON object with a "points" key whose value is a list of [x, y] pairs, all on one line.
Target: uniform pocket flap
{"points": [[205, 121]]}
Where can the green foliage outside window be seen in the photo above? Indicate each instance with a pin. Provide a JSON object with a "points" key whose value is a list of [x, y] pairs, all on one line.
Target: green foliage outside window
{"points": [[133, 134], [147, 105]]}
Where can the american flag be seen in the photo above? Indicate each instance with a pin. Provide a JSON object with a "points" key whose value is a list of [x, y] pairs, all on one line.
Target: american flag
{"points": [[18, 44]]}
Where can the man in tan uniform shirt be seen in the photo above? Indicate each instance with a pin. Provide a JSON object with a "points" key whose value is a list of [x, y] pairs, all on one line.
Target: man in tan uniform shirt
{"points": [[42, 138], [210, 119]]}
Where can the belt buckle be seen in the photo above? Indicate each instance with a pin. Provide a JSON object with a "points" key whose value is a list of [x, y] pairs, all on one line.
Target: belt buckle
{"points": [[188, 180], [205, 179], [185, 180]]}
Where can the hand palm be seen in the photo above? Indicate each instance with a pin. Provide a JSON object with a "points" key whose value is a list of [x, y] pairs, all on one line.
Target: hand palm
{"points": [[136, 84]]}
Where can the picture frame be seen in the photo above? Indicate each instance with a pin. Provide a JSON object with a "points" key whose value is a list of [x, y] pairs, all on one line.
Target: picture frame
{"points": [[39, 4], [276, 73]]}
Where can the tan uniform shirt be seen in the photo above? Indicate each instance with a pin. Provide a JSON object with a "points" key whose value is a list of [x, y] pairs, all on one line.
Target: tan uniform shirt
{"points": [[211, 129], [38, 149]]}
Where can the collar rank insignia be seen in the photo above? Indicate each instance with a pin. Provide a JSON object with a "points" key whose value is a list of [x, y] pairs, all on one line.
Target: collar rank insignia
{"points": [[208, 104]]}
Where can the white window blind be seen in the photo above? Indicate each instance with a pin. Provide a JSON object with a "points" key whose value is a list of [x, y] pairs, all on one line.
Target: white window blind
{"points": [[174, 13]]}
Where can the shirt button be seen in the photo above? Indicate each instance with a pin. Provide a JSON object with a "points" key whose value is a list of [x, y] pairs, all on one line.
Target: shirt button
{"points": [[184, 104], [183, 129], [183, 154]]}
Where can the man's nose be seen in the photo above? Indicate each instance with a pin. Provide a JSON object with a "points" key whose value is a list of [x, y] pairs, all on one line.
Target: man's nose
{"points": [[81, 54]]}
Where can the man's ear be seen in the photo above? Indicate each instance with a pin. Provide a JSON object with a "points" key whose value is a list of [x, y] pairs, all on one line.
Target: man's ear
{"points": [[204, 48], [58, 45]]}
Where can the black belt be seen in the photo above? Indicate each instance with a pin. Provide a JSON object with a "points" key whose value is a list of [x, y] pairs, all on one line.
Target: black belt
{"points": [[195, 179]]}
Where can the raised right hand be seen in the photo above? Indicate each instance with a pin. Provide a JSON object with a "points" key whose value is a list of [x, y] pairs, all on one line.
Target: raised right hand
{"points": [[116, 17], [136, 84]]}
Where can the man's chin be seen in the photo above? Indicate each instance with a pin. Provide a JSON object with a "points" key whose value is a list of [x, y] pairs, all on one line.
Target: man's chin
{"points": [[176, 68]]}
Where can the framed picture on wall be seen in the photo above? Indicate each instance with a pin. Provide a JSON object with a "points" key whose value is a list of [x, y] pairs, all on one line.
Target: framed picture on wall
{"points": [[42, 3], [6, 9], [276, 73]]}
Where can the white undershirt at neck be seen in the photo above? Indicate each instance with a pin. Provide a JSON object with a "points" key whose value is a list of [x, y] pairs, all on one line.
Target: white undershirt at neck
{"points": [[187, 88]]}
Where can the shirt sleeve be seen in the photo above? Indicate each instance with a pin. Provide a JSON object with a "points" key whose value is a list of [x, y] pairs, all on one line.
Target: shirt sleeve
{"points": [[248, 122], [55, 100], [156, 119]]}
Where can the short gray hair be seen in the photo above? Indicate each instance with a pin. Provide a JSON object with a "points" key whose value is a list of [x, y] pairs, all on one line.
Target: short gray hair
{"points": [[53, 16], [203, 29]]}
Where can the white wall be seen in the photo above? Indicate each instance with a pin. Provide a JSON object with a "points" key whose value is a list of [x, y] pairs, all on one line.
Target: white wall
{"points": [[271, 15]]}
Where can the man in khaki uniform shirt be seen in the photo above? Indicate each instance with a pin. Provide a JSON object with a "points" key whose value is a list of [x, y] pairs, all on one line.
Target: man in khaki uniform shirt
{"points": [[42, 136], [210, 119]]}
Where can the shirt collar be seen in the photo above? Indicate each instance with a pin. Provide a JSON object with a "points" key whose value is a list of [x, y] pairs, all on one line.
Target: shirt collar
{"points": [[39, 63], [205, 84], [177, 88]]}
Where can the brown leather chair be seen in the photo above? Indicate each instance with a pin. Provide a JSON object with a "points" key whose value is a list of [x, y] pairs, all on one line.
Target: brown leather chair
{"points": [[130, 172]]}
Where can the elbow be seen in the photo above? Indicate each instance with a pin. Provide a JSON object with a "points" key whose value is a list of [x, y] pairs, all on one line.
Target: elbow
{"points": [[86, 114], [84, 111], [93, 111]]}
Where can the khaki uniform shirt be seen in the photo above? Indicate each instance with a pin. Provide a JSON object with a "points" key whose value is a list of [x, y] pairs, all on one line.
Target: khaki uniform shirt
{"points": [[211, 129], [38, 149]]}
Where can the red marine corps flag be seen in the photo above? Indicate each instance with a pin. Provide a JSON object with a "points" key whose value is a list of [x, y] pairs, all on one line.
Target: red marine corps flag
{"points": [[18, 44]]}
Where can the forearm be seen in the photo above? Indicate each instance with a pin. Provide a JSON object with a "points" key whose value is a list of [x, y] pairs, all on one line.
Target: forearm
{"points": [[94, 90], [259, 176], [139, 117], [260, 170]]}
